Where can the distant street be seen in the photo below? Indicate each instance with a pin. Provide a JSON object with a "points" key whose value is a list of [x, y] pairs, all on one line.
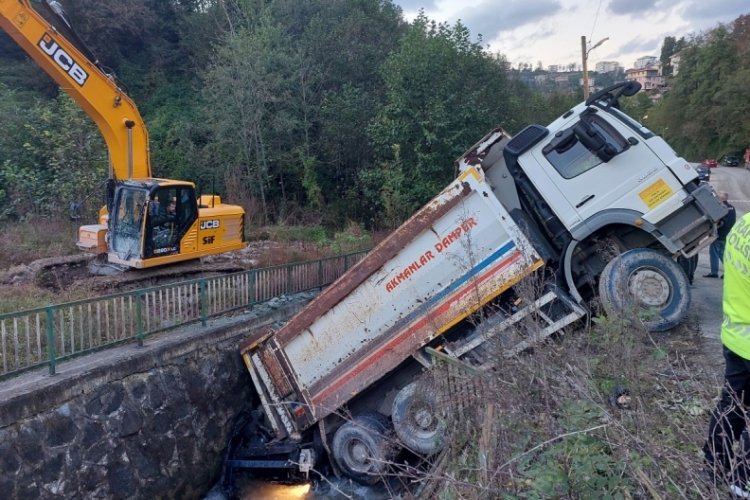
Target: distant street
{"points": [[736, 182]]}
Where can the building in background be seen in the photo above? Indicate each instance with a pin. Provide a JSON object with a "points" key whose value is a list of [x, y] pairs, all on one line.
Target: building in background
{"points": [[645, 62], [674, 60], [608, 67], [649, 77]]}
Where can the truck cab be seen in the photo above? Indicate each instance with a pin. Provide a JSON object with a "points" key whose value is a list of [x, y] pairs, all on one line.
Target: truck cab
{"points": [[596, 183]]}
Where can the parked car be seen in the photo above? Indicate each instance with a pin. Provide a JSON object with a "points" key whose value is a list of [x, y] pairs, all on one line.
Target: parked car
{"points": [[730, 161], [704, 173], [710, 163]]}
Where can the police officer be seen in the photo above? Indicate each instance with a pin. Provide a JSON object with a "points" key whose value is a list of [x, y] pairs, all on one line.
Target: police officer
{"points": [[728, 419]]}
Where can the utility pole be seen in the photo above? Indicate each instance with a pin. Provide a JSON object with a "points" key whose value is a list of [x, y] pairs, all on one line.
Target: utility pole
{"points": [[585, 57]]}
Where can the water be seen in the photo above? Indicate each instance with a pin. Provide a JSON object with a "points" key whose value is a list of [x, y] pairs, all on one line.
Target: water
{"points": [[328, 489]]}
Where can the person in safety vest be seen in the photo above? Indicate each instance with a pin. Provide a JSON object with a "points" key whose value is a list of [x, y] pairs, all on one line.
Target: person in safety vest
{"points": [[727, 423]]}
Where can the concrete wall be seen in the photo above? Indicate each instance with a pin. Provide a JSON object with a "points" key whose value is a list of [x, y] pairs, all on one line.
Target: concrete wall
{"points": [[131, 422]]}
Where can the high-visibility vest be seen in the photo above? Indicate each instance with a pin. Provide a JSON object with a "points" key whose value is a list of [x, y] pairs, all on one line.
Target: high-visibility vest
{"points": [[735, 329]]}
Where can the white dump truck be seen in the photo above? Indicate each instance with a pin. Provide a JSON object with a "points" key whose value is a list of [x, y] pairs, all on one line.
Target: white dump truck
{"points": [[592, 206]]}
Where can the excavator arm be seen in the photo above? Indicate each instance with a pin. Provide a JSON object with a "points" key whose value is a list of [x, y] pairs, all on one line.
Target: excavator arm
{"points": [[112, 110]]}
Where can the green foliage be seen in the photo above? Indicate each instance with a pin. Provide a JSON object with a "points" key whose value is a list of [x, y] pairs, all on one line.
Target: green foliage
{"points": [[292, 108], [351, 239], [311, 184], [704, 114], [670, 47], [433, 111], [637, 106], [62, 158], [254, 79], [579, 464], [287, 234], [323, 111]]}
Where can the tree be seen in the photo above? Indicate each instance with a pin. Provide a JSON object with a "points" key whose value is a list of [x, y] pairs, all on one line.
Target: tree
{"points": [[248, 93], [62, 158], [702, 115], [667, 51], [442, 93]]}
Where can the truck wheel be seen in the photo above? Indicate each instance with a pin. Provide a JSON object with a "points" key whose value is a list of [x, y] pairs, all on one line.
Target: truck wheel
{"points": [[647, 279], [362, 450], [417, 420]]}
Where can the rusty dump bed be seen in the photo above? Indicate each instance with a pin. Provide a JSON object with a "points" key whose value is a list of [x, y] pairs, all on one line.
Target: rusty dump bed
{"points": [[455, 254]]}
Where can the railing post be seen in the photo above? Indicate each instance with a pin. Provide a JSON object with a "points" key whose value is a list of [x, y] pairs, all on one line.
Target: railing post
{"points": [[346, 262], [251, 284], [289, 278], [139, 318], [51, 351], [204, 301]]}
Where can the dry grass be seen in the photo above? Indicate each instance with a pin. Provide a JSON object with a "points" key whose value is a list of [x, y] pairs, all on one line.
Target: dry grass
{"points": [[36, 238], [547, 424]]}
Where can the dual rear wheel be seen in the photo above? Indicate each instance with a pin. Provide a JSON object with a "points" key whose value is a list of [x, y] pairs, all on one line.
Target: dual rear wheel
{"points": [[364, 446]]}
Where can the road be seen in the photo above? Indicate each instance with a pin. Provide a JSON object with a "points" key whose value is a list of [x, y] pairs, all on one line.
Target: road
{"points": [[706, 293]]}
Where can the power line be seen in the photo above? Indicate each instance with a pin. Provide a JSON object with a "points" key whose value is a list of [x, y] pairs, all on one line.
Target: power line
{"points": [[596, 18]]}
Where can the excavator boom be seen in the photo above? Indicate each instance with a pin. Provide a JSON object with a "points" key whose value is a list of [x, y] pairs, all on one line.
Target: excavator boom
{"points": [[112, 110]]}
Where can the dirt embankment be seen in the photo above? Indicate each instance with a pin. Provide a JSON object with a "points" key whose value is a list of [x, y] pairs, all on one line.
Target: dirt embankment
{"points": [[82, 276]]}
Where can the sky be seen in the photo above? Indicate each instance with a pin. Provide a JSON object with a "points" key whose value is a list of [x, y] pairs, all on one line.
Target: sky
{"points": [[529, 31]]}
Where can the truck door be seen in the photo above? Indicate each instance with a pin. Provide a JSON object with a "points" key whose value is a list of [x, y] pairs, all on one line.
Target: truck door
{"points": [[598, 163]]}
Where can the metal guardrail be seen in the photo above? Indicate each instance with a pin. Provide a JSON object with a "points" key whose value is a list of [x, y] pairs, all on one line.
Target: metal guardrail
{"points": [[48, 335]]}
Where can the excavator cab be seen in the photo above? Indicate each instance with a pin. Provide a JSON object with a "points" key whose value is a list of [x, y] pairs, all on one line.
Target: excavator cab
{"points": [[150, 219]]}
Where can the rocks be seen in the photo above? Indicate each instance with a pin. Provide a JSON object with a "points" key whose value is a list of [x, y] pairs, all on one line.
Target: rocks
{"points": [[147, 435]]}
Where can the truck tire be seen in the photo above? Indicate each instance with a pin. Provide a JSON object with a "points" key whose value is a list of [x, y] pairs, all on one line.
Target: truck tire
{"points": [[646, 279], [417, 420], [362, 450]]}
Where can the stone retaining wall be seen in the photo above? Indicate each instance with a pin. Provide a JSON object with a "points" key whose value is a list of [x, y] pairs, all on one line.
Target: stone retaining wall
{"points": [[147, 422]]}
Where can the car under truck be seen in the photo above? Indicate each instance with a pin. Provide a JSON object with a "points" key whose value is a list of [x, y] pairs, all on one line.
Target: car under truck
{"points": [[591, 208]]}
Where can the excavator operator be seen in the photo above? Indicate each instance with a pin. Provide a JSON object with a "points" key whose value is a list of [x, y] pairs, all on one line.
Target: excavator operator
{"points": [[164, 223]]}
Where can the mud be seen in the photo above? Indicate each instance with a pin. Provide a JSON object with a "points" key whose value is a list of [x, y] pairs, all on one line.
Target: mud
{"points": [[91, 276]]}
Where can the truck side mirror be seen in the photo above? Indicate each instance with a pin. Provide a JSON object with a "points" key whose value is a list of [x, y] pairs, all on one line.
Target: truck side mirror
{"points": [[562, 141], [594, 141]]}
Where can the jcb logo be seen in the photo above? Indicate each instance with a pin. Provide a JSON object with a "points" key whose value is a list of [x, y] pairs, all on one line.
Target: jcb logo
{"points": [[209, 224], [63, 59]]}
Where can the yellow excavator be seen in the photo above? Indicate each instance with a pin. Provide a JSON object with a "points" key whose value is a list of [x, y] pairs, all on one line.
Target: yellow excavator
{"points": [[146, 222]]}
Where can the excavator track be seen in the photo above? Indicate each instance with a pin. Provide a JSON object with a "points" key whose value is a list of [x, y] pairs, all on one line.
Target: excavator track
{"points": [[86, 273]]}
